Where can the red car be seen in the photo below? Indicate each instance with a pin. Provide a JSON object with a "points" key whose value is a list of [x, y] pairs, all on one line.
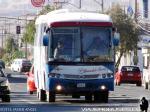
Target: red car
{"points": [[128, 74], [30, 81]]}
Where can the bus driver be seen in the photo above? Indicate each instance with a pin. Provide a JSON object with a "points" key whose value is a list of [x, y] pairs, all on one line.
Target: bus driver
{"points": [[58, 50]]}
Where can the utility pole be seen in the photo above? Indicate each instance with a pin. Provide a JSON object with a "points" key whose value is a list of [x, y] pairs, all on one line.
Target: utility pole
{"points": [[80, 4], [102, 5], [135, 16], [4, 32], [26, 45], [2, 37]]}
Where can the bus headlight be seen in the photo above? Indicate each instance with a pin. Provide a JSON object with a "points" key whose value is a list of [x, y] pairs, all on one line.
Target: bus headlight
{"points": [[55, 75], [58, 87], [104, 76], [109, 75], [52, 75], [103, 87]]}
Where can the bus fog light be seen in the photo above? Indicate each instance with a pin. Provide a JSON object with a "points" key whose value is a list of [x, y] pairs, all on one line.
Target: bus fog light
{"points": [[103, 87], [58, 87]]}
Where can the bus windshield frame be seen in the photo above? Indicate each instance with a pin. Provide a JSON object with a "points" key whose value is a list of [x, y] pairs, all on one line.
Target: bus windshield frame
{"points": [[81, 44]]}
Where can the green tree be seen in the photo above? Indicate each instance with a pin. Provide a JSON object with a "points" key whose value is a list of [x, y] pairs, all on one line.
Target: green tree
{"points": [[11, 46], [128, 30], [47, 9], [28, 36], [11, 51], [2, 52]]}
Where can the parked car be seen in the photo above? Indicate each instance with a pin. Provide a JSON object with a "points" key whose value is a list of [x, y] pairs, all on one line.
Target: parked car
{"points": [[4, 87], [30, 81], [21, 65], [128, 74], [2, 64]]}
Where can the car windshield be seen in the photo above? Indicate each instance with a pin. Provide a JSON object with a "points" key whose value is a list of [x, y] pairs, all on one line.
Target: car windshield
{"points": [[130, 69], [26, 61], [81, 44]]}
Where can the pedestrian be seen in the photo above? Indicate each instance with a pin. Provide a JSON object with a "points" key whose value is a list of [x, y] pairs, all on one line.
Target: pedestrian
{"points": [[144, 104]]}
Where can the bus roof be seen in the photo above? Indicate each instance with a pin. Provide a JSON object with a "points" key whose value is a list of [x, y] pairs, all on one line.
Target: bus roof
{"points": [[65, 15]]}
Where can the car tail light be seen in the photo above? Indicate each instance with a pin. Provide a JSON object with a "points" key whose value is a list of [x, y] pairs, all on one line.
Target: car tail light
{"points": [[121, 74], [139, 75]]}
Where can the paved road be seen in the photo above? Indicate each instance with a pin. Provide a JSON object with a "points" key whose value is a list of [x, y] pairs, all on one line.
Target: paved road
{"points": [[125, 98]]}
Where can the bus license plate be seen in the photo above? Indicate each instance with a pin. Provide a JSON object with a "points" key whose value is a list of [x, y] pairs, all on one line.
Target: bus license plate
{"points": [[81, 85], [130, 74]]}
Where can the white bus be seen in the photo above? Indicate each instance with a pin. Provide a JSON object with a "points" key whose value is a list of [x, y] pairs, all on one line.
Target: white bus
{"points": [[74, 55]]}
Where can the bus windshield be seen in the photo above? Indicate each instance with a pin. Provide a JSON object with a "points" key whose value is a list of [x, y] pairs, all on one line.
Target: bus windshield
{"points": [[81, 44]]}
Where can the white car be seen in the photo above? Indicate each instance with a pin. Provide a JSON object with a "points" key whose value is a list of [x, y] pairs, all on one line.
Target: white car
{"points": [[21, 65]]}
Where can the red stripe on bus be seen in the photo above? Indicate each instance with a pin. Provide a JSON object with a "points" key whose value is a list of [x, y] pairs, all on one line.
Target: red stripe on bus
{"points": [[63, 24]]}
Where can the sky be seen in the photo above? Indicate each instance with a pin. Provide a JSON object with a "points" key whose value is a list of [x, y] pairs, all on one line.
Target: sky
{"points": [[16, 7], [23, 7]]}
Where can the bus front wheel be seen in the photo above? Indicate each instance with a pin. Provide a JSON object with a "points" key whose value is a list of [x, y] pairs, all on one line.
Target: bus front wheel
{"points": [[101, 96], [41, 95], [51, 96], [75, 96], [88, 98]]}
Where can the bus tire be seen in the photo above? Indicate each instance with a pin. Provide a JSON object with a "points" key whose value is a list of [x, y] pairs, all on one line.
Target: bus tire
{"points": [[30, 92], [75, 96], [101, 96], [6, 98], [139, 84], [96, 97], [42, 95], [51, 96], [88, 98]]}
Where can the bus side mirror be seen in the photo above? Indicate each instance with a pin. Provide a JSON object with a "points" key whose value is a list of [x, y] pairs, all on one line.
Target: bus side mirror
{"points": [[45, 40], [116, 39]]}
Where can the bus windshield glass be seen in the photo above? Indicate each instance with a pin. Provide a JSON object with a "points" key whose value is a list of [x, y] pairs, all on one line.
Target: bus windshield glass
{"points": [[81, 44], [96, 42]]}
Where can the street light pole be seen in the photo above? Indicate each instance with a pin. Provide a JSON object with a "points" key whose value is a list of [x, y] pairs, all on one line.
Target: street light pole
{"points": [[2, 37], [135, 16], [80, 4], [102, 6]]}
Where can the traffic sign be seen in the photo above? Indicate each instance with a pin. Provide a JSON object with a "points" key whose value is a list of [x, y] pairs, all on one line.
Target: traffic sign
{"points": [[37, 3], [130, 10]]}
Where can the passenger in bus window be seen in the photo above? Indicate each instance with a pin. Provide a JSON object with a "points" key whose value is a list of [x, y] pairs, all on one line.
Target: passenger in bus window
{"points": [[58, 50]]}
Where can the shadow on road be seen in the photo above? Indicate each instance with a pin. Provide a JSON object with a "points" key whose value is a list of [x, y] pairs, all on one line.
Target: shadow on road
{"points": [[111, 100]]}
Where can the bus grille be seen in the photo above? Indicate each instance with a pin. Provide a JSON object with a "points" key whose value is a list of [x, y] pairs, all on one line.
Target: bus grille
{"points": [[66, 76], [93, 76]]}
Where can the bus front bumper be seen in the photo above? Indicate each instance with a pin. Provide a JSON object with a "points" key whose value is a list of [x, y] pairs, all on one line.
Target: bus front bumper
{"points": [[69, 86]]}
